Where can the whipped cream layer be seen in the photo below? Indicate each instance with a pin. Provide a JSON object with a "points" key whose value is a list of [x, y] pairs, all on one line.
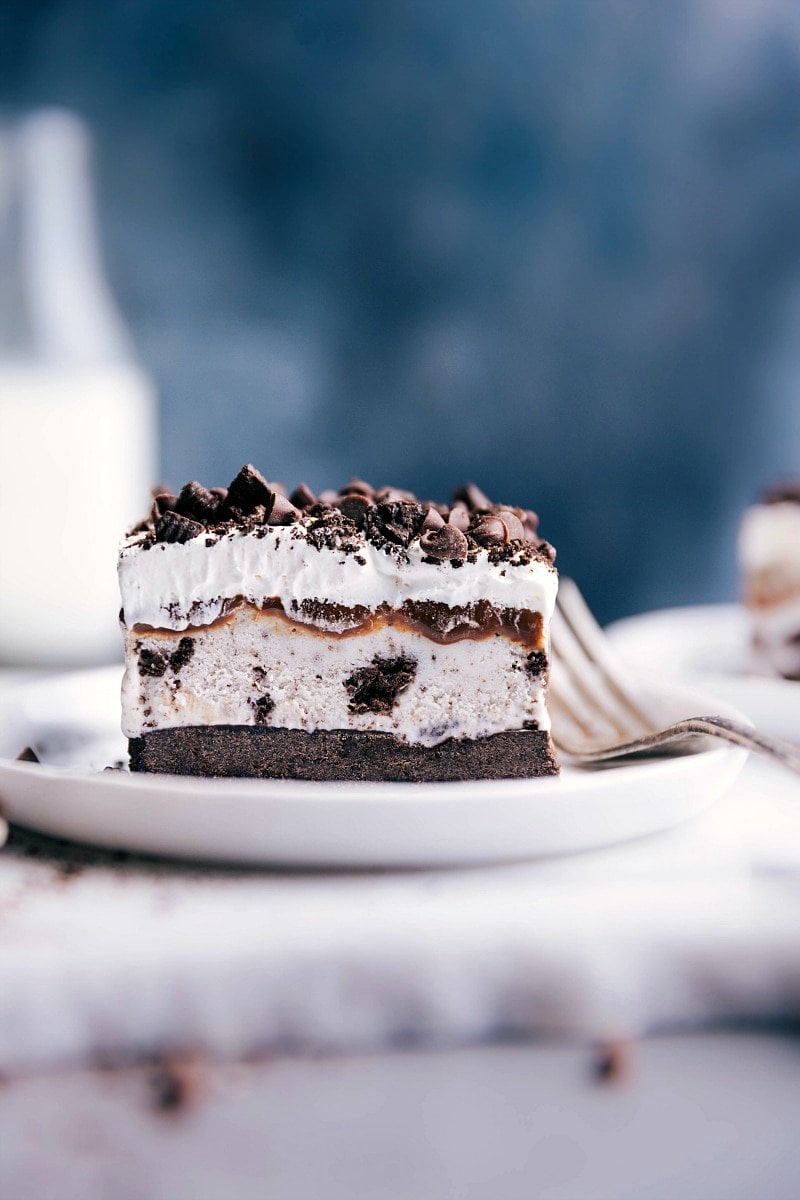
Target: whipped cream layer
{"points": [[181, 585], [258, 668]]}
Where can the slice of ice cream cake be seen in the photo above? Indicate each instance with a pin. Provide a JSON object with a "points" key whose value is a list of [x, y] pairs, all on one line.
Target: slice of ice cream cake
{"points": [[361, 634]]}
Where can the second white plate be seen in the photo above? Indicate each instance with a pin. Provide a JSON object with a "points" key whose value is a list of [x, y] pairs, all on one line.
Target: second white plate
{"points": [[706, 647]]}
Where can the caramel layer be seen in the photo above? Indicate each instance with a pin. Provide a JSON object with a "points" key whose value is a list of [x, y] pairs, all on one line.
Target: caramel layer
{"points": [[439, 622]]}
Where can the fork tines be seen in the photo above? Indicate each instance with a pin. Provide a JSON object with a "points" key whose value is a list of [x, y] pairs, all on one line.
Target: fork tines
{"points": [[590, 700]]}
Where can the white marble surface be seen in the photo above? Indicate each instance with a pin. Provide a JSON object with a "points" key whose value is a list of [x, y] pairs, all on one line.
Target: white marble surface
{"points": [[106, 957], [711, 1117]]}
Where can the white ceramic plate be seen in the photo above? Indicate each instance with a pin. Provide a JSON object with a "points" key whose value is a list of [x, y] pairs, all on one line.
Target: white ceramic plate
{"points": [[706, 647], [72, 722]]}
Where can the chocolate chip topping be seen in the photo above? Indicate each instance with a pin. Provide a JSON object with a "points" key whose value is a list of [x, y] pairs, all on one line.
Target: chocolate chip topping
{"points": [[390, 519], [302, 496], [473, 497], [375, 688], [355, 505], [490, 531], [172, 527], [444, 543], [459, 516], [249, 491], [433, 519], [357, 487], [162, 501], [283, 511]]}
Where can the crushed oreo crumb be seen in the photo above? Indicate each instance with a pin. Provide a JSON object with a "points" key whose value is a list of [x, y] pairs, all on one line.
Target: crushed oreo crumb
{"points": [[151, 663], [374, 689], [536, 662], [172, 527], [262, 707], [180, 657]]}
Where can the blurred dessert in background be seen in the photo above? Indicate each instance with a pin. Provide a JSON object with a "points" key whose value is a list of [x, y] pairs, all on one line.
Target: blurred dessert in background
{"points": [[361, 634], [77, 413], [769, 559]]}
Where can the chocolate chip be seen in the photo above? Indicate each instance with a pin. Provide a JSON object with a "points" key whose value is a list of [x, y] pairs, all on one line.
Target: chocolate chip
{"points": [[530, 524], [180, 656], [197, 502], [444, 543], [151, 663], [28, 755], [398, 520], [283, 511], [355, 506], [490, 531], [459, 517], [472, 496], [433, 519], [375, 688], [514, 527], [328, 496], [172, 527], [390, 495], [302, 496], [163, 502], [358, 487], [248, 491]]}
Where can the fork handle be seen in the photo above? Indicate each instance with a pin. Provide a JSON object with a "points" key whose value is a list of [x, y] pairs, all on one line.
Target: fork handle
{"points": [[775, 748]]}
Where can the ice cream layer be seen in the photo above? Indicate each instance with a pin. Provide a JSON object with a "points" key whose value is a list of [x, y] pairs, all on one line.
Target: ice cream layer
{"points": [[257, 667]]}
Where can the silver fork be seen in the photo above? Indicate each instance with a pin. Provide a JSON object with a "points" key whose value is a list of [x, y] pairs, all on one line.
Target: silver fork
{"points": [[599, 713]]}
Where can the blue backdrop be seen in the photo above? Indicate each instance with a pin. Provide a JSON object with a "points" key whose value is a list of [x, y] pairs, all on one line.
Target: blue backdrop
{"points": [[554, 247]]}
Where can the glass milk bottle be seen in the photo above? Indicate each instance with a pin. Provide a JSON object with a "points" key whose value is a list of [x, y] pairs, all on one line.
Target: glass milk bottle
{"points": [[77, 414]]}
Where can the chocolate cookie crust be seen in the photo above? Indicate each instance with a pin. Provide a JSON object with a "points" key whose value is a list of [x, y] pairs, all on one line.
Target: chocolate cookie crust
{"points": [[259, 752]]}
